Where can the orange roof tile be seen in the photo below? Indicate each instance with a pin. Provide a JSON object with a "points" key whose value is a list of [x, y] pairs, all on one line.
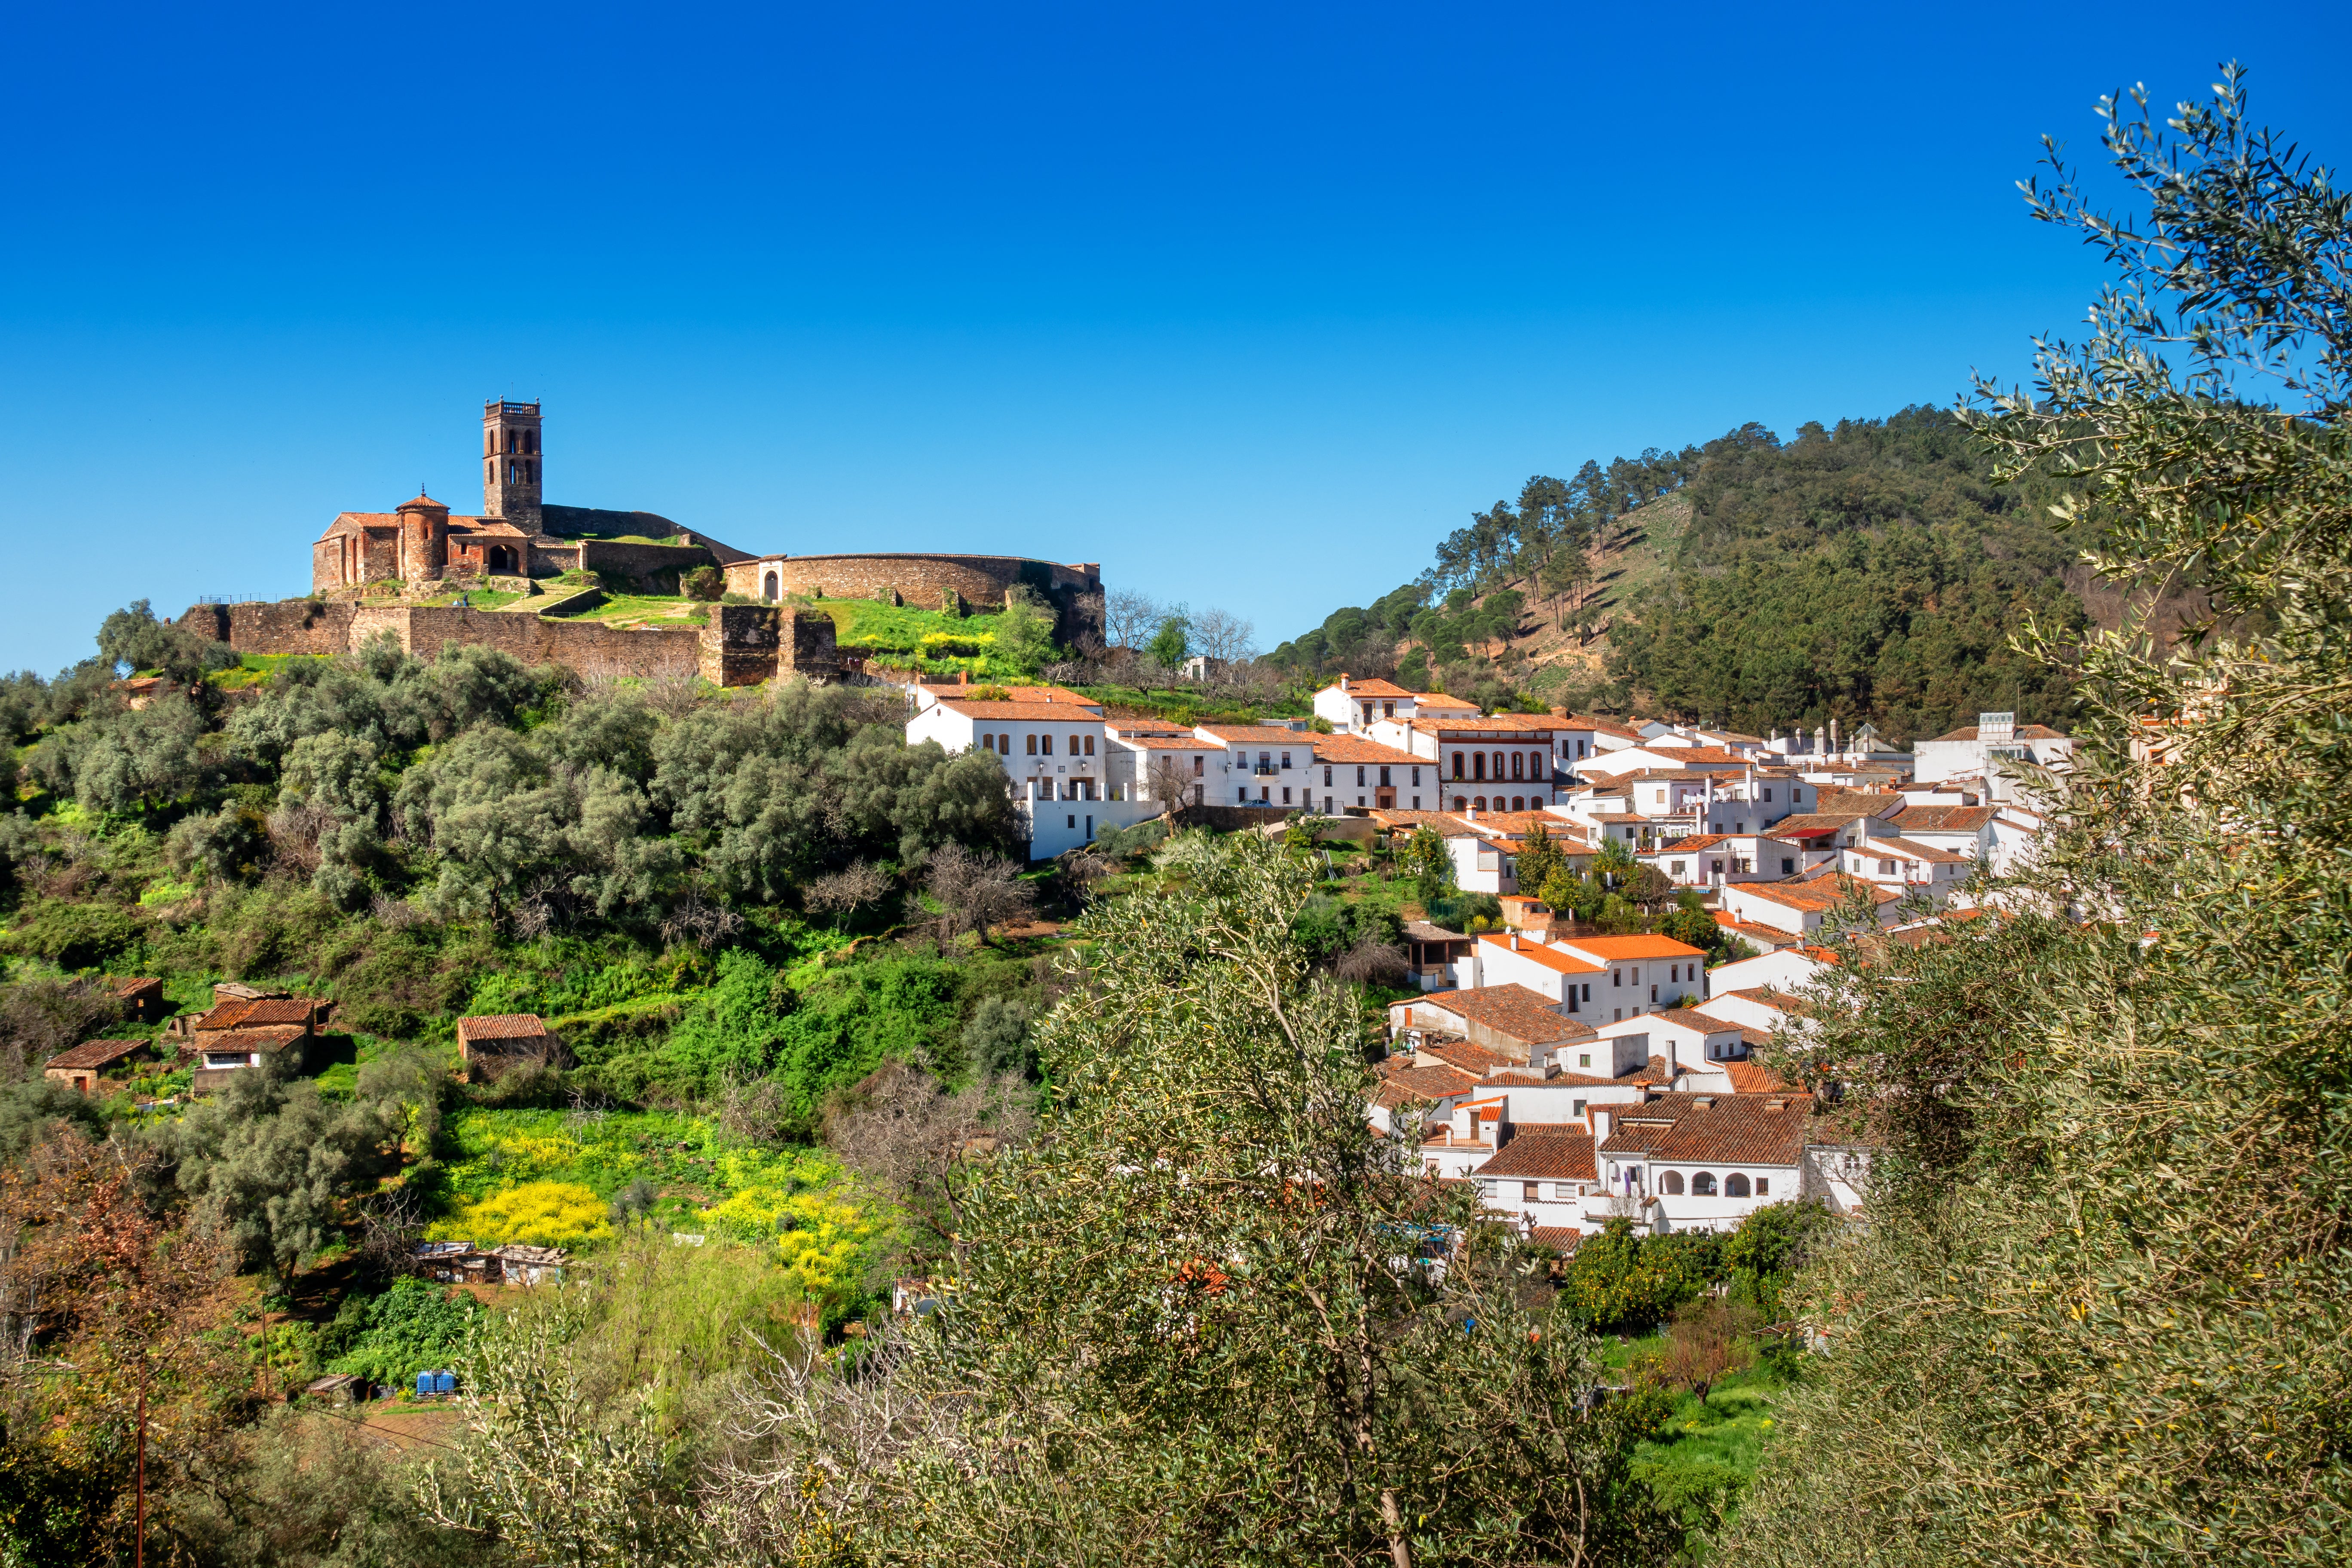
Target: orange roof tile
{"points": [[1611, 948], [1545, 957]]}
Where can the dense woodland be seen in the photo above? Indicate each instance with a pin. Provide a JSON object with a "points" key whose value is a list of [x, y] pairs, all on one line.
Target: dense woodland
{"points": [[1873, 572]]}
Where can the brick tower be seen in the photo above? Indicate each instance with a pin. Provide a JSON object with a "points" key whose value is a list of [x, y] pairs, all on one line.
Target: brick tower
{"points": [[510, 462], [423, 539]]}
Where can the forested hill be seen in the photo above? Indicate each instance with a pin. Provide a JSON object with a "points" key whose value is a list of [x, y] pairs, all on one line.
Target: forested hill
{"points": [[1872, 571]]}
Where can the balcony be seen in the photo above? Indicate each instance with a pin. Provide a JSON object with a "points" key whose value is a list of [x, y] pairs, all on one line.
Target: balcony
{"points": [[1264, 770]]}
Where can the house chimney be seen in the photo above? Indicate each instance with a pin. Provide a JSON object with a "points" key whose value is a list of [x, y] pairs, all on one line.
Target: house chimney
{"points": [[1471, 813], [1603, 1119], [1834, 734], [1343, 680]]}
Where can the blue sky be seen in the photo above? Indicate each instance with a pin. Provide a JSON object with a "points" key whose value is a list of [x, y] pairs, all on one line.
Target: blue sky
{"points": [[1249, 304]]}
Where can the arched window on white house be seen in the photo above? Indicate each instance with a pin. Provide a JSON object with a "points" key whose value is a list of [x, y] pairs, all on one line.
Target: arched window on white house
{"points": [[1703, 1185], [1734, 1185], [1671, 1184]]}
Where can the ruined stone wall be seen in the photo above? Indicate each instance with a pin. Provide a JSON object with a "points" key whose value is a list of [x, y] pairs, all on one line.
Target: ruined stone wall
{"points": [[586, 648], [651, 568], [927, 580], [742, 645], [287, 625]]}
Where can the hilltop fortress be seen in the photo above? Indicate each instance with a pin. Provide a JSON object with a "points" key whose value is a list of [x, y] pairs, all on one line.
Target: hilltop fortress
{"points": [[370, 568]]}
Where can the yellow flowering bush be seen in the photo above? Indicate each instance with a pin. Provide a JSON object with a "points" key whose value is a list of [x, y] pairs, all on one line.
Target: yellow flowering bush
{"points": [[540, 1214], [823, 1235]]}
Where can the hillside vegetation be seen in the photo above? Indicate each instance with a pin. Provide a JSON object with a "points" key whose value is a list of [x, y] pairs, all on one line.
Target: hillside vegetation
{"points": [[1872, 571]]}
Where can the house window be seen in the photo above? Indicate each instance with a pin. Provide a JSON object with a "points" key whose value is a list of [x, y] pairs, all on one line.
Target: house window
{"points": [[1461, 803], [1579, 1109], [1091, 745], [1286, 759], [1681, 867], [1768, 794], [1457, 765], [1587, 991], [1616, 977], [1388, 709], [1886, 868], [1199, 764], [1763, 1187], [988, 742], [1734, 1185], [1384, 778], [1584, 1060], [1787, 867], [1529, 1191], [1703, 1185], [1416, 778], [1327, 775], [1671, 1184], [1478, 765], [1033, 744], [1359, 778], [1286, 795]]}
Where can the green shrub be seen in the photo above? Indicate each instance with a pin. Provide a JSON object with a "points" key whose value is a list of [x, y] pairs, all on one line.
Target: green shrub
{"points": [[415, 1326], [69, 936]]}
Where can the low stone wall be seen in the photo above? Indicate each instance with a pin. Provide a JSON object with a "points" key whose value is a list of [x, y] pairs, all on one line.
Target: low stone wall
{"points": [[931, 582], [286, 626], [742, 645]]}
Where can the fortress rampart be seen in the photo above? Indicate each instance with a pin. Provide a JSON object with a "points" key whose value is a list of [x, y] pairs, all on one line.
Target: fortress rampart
{"points": [[931, 582], [742, 645]]}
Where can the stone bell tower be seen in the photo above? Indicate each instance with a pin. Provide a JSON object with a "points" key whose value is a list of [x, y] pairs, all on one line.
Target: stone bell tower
{"points": [[511, 463]]}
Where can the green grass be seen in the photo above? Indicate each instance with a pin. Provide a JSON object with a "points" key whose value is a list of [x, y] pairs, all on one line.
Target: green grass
{"points": [[647, 609], [253, 670], [1188, 706], [477, 599]]}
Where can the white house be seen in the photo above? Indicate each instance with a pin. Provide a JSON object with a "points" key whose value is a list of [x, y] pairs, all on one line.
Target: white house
{"points": [[1507, 763], [1506, 958], [1542, 1178], [1796, 907], [1690, 1041], [1979, 749], [1055, 753], [1784, 969], [1704, 1162], [1711, 860], [1642, 973], [1352, 770], [1906, 867], [1141, 758], [1352, 707]]}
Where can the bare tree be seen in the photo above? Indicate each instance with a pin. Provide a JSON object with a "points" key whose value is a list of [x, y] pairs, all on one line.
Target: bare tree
{"points": [[845, 892], [905, 1132], [701, 919], [1170, 784], [1131, 618], [976, 891], [1372, 962], [673, 696], [1223, 639]]}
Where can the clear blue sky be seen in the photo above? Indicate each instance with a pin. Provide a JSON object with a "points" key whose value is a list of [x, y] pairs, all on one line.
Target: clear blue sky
{"points": [[1249, 303]]}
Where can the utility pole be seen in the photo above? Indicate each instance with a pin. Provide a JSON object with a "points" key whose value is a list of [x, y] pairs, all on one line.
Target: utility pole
{"points": [[139, 1550]]}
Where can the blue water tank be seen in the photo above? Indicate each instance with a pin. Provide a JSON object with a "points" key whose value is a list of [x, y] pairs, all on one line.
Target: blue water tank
{"points": [[429, 1384]]}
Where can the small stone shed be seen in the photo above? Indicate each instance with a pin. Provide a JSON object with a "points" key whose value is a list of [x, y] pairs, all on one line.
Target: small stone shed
{"points": [[81, 1069], [499, 1042]]}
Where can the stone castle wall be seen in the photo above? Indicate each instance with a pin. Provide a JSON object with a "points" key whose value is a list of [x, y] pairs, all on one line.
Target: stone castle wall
{"points": [[289, 625], [742, 646], [927, 580]]}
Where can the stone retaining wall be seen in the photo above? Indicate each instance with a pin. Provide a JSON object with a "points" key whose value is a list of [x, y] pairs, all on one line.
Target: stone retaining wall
{"points": [[287, 625]]}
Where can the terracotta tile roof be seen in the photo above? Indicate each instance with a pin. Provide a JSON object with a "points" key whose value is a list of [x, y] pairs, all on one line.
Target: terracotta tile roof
{"points": [[1444, 1137], [1611, 949], [1356, 749], [1536, 952], [1557, 1237], [1373, 688], [1162, 743], [95, 1054], [1406, 1084], [1021, 712], [1805, 896], [1599, 726], [1438, 701], [1773, 936], [1470, 1058], [1814, 823], [1696, 841], [502, 1026], [239, 1012], [1751, 1077], [267, 1037], [1513, 1010], [131, 985], [1540, 1154], [1721, 1129], [1944, 818], [1701, 756], [1444, 823], [1686, 1017], [1421, 930], [1499, 724], [1268, 737]]}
